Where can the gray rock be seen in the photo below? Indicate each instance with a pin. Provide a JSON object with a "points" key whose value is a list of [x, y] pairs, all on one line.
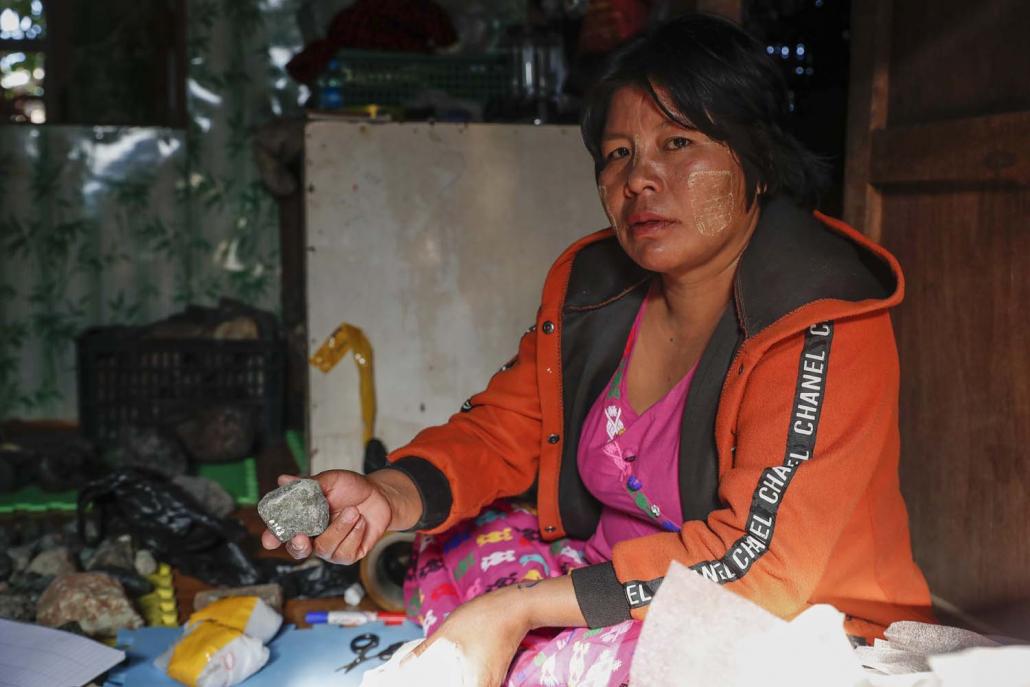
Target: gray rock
{"points": [[70, 535], [93, 600], [114, 552], [21, 556], [208, 494], [85, 556], [53, 562], [133, 584], [29, 584], [151, 448], [219, 433], [91, 529], [299, 507], [145, 563], [17, 607], [50, 540]]}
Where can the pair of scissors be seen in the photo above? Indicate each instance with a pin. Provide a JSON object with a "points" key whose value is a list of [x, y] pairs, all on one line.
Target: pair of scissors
{"points": [[362, 645]]}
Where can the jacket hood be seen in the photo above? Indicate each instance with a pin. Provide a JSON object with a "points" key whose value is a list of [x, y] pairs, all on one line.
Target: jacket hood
{"points": [[794, 259]]}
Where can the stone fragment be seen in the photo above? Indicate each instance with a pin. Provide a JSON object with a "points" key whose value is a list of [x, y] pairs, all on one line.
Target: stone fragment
{"points": [[53, 461], [29, 584], [219, 433], [237, 329], [91, 529], [152, 448], [85, 556], [21, 556], [134, 585], [94, 600], [114, 552], [50, 540], [299, 507], [53, 562], [271, 594], [17, 607], [208, 493], [145, 563]]}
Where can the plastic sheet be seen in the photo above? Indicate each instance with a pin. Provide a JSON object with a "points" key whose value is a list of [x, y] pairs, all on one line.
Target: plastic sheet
{"points": [[168, 522], [300, 658]]}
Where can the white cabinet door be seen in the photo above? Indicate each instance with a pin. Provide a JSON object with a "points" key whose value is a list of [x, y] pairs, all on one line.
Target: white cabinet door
{"points": [[435, 240]]}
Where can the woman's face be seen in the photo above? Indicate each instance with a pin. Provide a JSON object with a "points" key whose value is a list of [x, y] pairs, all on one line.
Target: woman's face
{"points": [[675, 198]]}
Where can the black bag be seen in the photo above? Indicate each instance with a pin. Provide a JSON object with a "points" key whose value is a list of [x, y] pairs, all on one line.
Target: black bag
{"points": [[166, 520]]}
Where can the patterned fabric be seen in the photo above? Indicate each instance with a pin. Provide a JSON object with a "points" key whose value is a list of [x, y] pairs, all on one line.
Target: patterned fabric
{"points": [[499, 548], [630, 462]]}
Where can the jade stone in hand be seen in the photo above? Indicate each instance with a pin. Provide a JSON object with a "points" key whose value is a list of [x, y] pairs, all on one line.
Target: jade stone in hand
{"points": [[299, 507]]}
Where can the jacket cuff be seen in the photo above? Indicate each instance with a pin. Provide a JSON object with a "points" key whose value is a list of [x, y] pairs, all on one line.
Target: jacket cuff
{"points": [[433, 489], [600, 595]]}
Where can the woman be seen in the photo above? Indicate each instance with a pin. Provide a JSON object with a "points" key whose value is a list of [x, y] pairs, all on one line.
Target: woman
{"points": [[713, 380]]}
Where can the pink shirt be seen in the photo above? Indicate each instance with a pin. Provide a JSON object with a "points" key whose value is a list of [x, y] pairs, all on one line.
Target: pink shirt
{"points": [[630, 462]]}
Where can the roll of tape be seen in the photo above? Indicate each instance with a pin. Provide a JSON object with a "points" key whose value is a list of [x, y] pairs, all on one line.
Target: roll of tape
{"points": [[383, 569]]}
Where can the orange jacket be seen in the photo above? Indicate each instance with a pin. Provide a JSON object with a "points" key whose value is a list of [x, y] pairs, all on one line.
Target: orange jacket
{"points": [[789, 441]]}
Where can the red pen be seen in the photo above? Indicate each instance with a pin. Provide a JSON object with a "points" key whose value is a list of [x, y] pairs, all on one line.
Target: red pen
{"points": [[354, 618]]}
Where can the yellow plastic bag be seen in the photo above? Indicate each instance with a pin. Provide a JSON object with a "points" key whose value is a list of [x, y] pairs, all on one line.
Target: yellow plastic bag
{"points": [[213, 655], [248, 614]]}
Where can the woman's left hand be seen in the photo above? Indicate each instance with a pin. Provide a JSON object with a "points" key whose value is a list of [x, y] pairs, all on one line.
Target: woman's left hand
{"points": [[487, 630]]}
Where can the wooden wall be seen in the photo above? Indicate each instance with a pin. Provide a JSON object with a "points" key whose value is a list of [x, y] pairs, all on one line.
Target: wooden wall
{"points": [[939, 171]]}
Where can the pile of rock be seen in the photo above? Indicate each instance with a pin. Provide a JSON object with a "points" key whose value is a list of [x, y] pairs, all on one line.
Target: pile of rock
{"points": [[47, 575]]}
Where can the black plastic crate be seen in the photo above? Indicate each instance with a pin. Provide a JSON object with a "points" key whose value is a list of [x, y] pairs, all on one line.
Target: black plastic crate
{"points": [[125, 379]]}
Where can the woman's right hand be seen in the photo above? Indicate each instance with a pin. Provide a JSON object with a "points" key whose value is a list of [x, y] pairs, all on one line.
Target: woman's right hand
{"points": [[361, 509]]}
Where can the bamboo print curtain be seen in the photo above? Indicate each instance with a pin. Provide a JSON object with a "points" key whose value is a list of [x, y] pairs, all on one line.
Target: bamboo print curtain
{"points": [[102, 225]]}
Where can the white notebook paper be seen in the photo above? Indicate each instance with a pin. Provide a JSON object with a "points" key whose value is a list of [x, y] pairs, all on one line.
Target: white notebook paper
{"points": [[36, 656]]}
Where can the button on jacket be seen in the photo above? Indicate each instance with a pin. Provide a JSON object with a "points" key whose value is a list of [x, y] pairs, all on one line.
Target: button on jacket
{"points": [[789, 446]]}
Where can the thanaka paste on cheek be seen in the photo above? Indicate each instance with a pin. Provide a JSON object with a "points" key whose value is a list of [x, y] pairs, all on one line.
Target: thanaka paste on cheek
{"points": [[711, 200], [603, 192]]}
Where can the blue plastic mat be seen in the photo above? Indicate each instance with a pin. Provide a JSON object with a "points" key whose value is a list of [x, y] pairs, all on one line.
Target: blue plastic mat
{"points": [[299, 657]]}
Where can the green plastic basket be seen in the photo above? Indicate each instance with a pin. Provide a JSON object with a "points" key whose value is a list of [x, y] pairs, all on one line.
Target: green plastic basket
{"points": [[239, 478], [394, 78]]}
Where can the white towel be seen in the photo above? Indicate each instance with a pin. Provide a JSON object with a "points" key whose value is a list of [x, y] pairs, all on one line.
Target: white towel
{"points": [[442, 665]]}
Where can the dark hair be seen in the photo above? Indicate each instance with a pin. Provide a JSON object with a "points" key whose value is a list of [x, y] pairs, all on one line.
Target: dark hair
{"points": [[719, 81]]}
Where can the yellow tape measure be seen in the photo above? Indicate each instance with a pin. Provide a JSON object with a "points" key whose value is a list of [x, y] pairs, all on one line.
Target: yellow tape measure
{"points": [[346, 338]]}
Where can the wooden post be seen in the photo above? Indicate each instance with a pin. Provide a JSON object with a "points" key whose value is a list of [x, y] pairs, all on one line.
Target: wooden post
{"points": [[867, 111]]}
